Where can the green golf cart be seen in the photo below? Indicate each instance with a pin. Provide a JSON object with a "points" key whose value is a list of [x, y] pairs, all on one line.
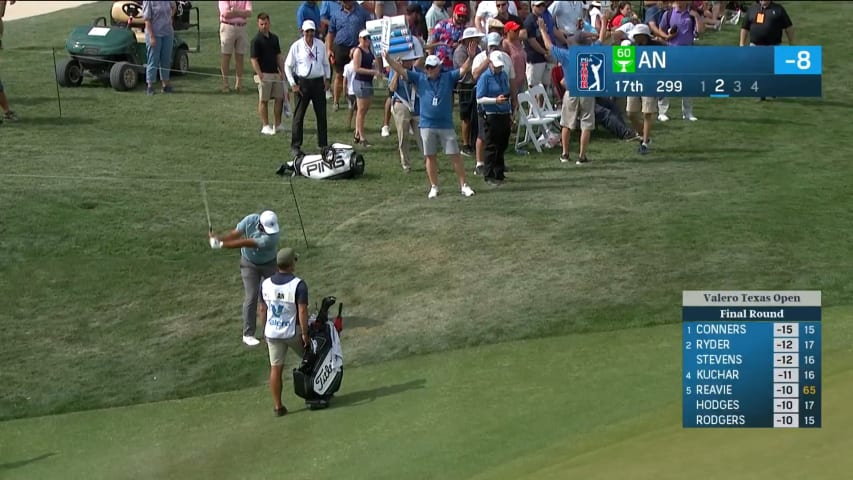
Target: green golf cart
{"points": [[115, 53]]}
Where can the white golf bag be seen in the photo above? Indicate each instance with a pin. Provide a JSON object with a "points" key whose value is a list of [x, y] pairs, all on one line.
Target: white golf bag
{"points": [[336, 162]]}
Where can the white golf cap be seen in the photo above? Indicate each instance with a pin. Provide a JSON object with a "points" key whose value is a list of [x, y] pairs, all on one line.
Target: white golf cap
{"points": [[471, 32], [433, 61], [269, 220], [493, 39], [595, 4], [626, 43], [626, 28], [539, 2], [363, 33], [497, 59], [308, 25], [640, 29], [495, 23]]}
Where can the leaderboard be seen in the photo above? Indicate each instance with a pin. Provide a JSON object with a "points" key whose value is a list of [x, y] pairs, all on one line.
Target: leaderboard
{"points": [[751, 359]]}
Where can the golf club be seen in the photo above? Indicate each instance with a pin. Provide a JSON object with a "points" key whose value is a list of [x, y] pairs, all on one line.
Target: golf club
{"points": [[298, 213], [206, 207]]}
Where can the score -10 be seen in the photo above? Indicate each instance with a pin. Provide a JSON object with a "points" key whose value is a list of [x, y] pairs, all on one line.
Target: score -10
{"points": [[718, 85]]}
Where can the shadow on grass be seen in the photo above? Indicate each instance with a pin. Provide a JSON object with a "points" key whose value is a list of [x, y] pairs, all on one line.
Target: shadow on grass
{"points": [[362, 397], [32, 101], [761, 121], [65, 120], [24, 463], [360, 322]]}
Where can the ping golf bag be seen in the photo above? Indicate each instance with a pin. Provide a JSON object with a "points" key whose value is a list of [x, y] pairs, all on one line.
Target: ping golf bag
{"points": [[335, 162], [321, 371]]}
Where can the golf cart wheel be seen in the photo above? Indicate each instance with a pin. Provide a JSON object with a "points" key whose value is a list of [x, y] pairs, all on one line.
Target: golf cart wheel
{"points": [[181, 65], [123, 76], [69, 73]]}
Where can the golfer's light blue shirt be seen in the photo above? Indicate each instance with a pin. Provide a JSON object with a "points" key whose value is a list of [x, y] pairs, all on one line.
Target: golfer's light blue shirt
{"points": [[436, 104], [267, 244]]}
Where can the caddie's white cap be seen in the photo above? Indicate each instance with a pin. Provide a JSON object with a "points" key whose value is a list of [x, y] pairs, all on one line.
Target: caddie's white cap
{"points": [[308, 25], [433, 61], [269, 220], [471, 32], [497, 59]]}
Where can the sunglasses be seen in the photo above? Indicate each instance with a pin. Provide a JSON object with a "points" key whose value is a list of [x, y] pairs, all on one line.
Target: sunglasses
{"points": [[430, 67]]}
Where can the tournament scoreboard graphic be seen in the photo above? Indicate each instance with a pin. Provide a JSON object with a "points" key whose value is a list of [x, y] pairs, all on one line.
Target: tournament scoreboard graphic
{"points": [[633, 71], [751, 359]]}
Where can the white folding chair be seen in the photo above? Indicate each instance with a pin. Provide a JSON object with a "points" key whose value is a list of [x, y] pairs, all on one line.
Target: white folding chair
{"points": [[548, 109], [532, 121]]}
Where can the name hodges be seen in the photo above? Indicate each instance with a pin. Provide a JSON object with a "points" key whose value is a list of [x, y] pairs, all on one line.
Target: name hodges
{"points": [[753, 314]]}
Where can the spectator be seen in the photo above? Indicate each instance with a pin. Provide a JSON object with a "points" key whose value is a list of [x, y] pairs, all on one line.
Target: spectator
{"points": [[349, 85], [345, 21], [505, 15], [308, 72], [447, 34], [436, 123], [405, 108], [537, 70], [8, 114], [285, 312], [435, 14], [642, 110], [609, 117], [652, 17], [523, 11], [595, 18], [308, 10], [467, 101], [478, 67], [765, 21], [384, 8], [624, 14], [159, 39], [325, 16], [257, 238], [267, 61], [489, 9], [416, 22], [494, 100], [575, 109], [364, 66], [233, 39], [568, 16], [3, 4], [513, 46], [680, 26]]}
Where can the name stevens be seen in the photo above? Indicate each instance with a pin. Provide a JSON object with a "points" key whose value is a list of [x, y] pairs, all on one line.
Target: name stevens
{"points": [[712, 359]]}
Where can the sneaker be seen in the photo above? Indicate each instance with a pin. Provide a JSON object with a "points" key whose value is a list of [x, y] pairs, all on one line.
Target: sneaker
{"points": [[385, 131], [582, 160], [466, 151], [10, 116], [564, 158], [280, 412], [251, 341], [268, 130], [168, 89], [644, 149], [280, 128], [336, 107], [149, 91], [433, 192], [411, 130], [689, 117], [479, 169], [663, 118], [407, 169], [466, 190], [493, 182]]}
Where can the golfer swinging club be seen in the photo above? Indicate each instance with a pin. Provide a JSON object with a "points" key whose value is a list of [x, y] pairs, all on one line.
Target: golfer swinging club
{"points": [[257, 238]]}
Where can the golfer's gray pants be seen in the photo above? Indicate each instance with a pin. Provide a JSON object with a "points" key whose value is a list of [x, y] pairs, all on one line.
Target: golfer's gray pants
{"points": [[253, 274]]}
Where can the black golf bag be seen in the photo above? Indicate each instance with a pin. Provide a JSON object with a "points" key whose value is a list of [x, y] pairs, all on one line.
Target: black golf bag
{"points": [[321, 371], [336, 162]]}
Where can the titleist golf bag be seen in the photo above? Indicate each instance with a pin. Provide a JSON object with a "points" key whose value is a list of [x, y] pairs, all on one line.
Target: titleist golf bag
{"points": [[335, 162], [321, 371]]}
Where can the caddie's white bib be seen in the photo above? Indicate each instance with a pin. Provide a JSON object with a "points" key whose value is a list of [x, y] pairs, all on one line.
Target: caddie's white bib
{"points": [[281, 308]]}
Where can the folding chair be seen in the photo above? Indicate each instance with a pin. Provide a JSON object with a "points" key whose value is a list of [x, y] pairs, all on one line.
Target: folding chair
{"points": [[548, 109], [532, 121]]}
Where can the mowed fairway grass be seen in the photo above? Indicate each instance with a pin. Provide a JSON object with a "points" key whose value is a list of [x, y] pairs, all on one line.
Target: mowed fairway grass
{"points": [[527, 332]]}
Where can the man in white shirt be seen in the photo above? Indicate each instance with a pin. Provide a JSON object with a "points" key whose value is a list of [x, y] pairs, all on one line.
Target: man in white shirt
{"points": [[488, 9], [568, 15], [308, 71], [435, 14]]}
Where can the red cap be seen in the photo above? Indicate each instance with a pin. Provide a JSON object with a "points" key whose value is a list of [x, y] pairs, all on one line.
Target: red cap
{"points": [[511, 26], [460, 9]]}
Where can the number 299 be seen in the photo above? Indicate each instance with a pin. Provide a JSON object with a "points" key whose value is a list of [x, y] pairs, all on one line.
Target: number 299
{"points": [[669, 86]]}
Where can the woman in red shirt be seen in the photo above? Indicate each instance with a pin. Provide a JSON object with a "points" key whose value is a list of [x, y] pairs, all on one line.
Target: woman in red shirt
{"points": [[623, 11]]}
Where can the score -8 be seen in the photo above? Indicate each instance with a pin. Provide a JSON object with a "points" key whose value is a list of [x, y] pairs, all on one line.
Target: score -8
{"points": [[669, 86], [719, 86]]}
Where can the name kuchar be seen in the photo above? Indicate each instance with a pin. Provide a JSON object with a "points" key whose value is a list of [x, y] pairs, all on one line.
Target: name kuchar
{"points": [[710, 374]]}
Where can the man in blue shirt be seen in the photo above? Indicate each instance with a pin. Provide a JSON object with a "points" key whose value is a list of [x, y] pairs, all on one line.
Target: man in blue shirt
{"points": [[494, 101], [345, 22], [309, 10], [405, 105], [435, 87], [257, 238]]}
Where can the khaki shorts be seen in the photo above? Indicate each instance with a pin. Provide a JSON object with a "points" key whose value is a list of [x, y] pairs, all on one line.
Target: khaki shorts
{"points": [[436, 138], [233, 39], [577, 108], [271, 88], [642, 104], [537, 73], [278, 348]]}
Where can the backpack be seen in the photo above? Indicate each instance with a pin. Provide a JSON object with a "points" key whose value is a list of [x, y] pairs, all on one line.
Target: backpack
{"points": [[336, 162]]}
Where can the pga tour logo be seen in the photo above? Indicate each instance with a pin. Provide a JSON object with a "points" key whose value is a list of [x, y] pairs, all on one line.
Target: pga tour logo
{"points": [[590, 73]]}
